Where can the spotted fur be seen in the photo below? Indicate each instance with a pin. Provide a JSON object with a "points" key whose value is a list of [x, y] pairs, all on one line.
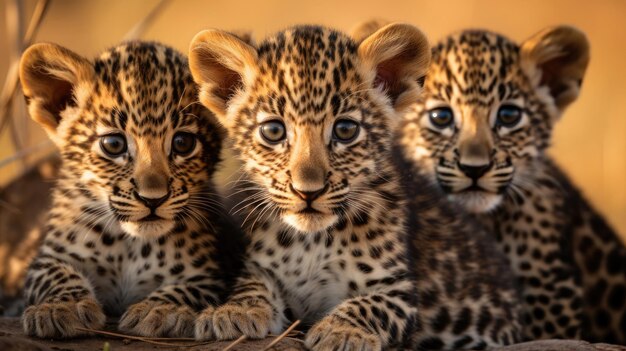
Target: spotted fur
{"points": [[136, 233], [570, 264], [326, 217]]}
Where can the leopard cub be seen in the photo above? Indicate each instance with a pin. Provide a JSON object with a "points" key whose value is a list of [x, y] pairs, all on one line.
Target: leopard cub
{"points": [[311, 113], [136, 225]]}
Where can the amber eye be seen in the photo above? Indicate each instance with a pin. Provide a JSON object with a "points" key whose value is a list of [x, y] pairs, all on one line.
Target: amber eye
{"points": [[113, 145], [183, 143], [441, 117], [509, 116], [273, 131], [346, 130]]}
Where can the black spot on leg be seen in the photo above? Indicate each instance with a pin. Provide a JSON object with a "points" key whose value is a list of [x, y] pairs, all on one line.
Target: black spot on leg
{"points": [[284, 239], [364, 267], [432, 343], [617, 296], [145, 250], [615, 263], [177, 269], [463, 321], [107, 239], [442, 320]]}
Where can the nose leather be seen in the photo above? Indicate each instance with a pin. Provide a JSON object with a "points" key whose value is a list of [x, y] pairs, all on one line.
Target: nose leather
{"points": [[474, 172], [152, 203], [308, 196]]}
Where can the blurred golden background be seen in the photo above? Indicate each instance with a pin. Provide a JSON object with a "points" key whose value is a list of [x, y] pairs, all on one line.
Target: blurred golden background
{"points": [[590, 142]]}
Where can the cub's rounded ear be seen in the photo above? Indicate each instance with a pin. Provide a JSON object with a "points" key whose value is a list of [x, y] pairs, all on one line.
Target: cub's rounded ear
{"points": [[557, 58], [399, 55], [50, 75], [221, 63], [367, 28]]}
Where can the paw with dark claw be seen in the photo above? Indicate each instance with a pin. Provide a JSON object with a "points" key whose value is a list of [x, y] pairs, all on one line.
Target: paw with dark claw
{"points": [[155, 319], [230, 321], [333, 334]]}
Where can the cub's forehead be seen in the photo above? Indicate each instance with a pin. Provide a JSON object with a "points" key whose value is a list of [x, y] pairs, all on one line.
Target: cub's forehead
{"points": [[142, 83], [310, 68], [474, 58], [304, 45], [469, 44]]}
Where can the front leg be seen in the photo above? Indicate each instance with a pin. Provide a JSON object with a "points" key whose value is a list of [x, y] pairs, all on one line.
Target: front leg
{"points": [[171, 310], [254, 309], [369, 322], [61, 300]]}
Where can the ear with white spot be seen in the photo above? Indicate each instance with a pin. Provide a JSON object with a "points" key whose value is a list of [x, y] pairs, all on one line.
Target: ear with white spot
{"points": [[50, 76], [557, 58], [399, 55], [367, 28], [221, 63]]}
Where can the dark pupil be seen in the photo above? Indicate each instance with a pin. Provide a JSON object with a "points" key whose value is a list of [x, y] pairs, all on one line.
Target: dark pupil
{"points": [[345, 130], [441, 117], [509, 115], [114, 144], [183, 143], [273, 131]]}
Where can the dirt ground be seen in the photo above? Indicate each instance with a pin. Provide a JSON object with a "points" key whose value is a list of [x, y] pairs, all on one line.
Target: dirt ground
{"points": [[13, 339]]}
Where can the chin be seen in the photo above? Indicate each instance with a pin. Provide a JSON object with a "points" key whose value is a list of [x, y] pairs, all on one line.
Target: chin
{"points": [[148, 229], [476, 201], [310, 222]]}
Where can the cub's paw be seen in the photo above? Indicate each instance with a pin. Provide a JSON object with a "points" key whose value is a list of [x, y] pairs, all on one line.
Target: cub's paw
{"points": [[155, 319], [204, 324], [333, 334], [230, 321], [60, 319]]}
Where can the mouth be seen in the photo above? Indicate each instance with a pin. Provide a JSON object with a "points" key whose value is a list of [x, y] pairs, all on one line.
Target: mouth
{"points": [[310, 211], [309, 220], [150, 226], [152, 217], [473, 188], [476, 201]]}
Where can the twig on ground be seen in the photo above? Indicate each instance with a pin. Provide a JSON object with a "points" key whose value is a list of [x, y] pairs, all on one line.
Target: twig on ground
{"points": [[235, 343], [145, 339], [282, 336]]}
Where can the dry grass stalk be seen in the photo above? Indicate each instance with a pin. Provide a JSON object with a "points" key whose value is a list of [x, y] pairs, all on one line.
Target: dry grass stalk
{"points": [[154, 341], [141, 26], [10, 84], [282, 336], [235, 343]]}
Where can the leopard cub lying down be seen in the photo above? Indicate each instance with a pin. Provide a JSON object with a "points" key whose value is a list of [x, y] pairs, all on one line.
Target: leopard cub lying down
{"points": [[132, 228], [311, 114]]}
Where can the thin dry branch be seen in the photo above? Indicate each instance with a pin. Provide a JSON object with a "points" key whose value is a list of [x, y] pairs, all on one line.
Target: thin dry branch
{"points": [[282, 336], [35, 21], [235, 343], [10, 88], [10, 84], [141, 27], [15, 27], [154, 341]]}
